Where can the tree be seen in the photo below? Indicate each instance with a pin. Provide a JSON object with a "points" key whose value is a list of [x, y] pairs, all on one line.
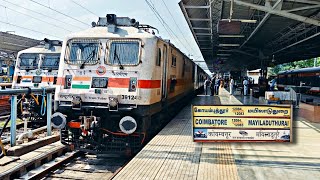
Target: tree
{"points": [[294, 65]]}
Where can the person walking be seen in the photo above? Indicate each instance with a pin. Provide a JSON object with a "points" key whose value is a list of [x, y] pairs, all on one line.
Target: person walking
{"points": [[231, 85], [207, 83], [245, 86]]}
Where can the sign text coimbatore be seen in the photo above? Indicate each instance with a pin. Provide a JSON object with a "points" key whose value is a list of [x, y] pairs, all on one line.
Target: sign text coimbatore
{"points": [[242, 123]]}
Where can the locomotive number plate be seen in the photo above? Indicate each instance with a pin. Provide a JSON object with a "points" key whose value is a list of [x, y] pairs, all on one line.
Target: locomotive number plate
{"points": [[129, 97]]}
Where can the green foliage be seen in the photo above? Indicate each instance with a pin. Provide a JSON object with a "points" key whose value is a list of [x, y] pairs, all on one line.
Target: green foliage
{"points": [[294, 65]]}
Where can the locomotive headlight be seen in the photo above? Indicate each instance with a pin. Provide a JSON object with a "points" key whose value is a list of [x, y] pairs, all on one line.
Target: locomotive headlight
{"points": [[113, 102], [76, 100], [99, 82], [95, 83], [37, 79], [128, 125]]}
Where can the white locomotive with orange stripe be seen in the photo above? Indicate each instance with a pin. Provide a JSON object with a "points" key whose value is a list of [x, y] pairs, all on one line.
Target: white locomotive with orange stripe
{"points": [[36, 67], [116, 79]]}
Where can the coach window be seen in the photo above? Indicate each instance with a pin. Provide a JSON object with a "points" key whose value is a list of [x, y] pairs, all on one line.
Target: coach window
{"points": [[158, 61], [174, 61], [124, 52], [183, 67]]}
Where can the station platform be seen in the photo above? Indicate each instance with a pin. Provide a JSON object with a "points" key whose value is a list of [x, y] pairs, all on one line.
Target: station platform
{"points": [[172, 154]]}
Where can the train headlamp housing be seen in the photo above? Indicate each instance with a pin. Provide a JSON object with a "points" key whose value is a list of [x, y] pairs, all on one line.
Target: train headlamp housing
{"points": [[133, 84], [128, 125], [99, 82], [58, 120], [76, 102], [113, 104], [68, 80], [37, 79]]}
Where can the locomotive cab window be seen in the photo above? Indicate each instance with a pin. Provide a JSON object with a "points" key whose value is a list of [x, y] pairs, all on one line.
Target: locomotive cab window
{"points": [[29, 61], [83, 52], [124, 53], [50, 61]]}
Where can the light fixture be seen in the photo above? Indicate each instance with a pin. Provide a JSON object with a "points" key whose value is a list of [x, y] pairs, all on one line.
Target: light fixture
{"points": [[241, 20], [229, 45], [231, 36], [223, 54]]}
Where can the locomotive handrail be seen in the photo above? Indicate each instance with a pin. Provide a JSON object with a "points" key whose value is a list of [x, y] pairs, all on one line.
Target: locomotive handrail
{"points": [[25, 90]]}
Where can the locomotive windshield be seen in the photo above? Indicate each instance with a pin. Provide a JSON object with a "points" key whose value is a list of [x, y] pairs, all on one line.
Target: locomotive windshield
{"points": [[29, 61], [124, 53], [50, 61], [83, 52]]}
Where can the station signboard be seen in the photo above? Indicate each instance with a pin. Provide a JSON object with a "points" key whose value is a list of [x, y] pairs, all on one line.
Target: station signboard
{"points": [[242, 123]]}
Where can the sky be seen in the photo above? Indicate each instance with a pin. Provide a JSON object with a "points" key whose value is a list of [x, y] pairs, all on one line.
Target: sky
{"points": [[54, 25]]}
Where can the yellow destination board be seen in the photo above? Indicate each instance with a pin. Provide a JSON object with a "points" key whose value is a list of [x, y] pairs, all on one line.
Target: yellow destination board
{"points": [[228, 122], [242, 123], [239, 111]]}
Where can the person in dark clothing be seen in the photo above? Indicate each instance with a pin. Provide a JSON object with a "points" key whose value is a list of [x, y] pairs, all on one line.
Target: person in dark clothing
{"points": [[207, 83], [212, 86], [216, 86]]}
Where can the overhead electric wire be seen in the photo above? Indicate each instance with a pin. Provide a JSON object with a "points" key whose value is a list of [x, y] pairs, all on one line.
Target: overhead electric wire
{"points": [[36, 18], [28, 29], [84, 8], [164, 24], [59, 12], [169, 33], [162, 21], [41, 14], [175, 22]]}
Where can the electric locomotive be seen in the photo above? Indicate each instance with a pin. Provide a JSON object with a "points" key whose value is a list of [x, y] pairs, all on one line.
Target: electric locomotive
{"points": [[36, 67], [116, 79]]}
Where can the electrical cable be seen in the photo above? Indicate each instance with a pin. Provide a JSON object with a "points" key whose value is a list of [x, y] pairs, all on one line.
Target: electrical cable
{"points": [[28, 29], [35, 18], [160, 20], [164, 23], [84, 8], [41, 14], [59, 12], [175, 22]]}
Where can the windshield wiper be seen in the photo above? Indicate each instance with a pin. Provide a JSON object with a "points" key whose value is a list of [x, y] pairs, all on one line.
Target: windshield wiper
{"points": [[116, 56], [90, 57]]}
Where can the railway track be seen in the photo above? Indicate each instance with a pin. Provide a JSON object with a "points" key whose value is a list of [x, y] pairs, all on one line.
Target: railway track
{"points": [[76, 165]]}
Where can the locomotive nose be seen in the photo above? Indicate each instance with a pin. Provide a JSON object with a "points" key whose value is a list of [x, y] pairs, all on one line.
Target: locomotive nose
{"points": [[128, 125]]}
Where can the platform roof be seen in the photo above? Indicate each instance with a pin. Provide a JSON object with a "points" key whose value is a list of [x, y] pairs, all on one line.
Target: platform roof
{"points": [[271, 31], [11, 44]]}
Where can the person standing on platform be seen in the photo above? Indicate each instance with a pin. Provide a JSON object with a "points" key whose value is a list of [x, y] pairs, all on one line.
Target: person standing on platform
{"points": [[216, 86], [212, 86], [231, 85], [273, 84], [207, 83], [221, 83], [245, 86]]}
